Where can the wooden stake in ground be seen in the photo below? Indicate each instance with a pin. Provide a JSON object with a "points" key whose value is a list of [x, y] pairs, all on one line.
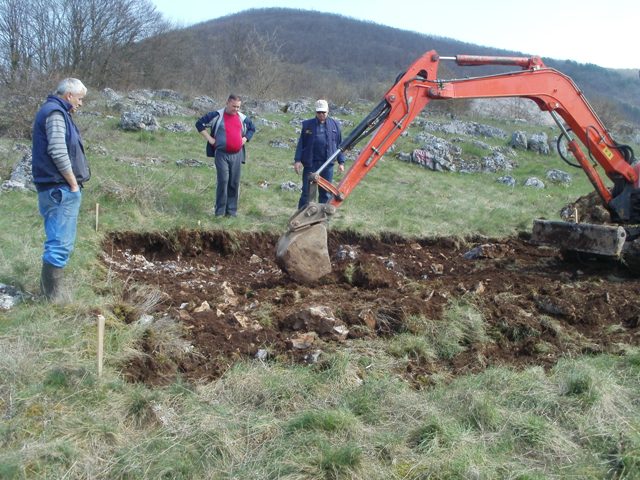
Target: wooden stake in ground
{"points": [[97, 214], [100, 343]]}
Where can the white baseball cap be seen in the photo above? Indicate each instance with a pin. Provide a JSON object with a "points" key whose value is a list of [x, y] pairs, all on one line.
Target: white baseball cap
{"points": [[322, 106]]}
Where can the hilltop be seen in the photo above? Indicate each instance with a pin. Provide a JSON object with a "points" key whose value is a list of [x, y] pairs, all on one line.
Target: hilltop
{"points": [[271, 52]]}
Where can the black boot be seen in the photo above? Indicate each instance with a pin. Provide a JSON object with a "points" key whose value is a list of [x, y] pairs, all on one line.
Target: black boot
{"points": [[51, 282]]}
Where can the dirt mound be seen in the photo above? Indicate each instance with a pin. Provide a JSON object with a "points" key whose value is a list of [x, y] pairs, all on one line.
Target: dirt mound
{"points": [[586, 209], [227, 298]]}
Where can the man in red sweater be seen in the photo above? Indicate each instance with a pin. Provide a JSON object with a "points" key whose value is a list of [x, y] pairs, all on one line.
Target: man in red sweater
{"points": [[229, 131]]}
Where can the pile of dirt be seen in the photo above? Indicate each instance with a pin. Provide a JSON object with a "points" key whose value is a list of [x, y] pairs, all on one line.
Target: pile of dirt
{"points": [[586, 209], [230, 300]]}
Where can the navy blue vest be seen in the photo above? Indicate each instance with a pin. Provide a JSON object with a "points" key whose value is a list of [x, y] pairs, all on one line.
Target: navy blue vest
{"points": [[45, 173]]}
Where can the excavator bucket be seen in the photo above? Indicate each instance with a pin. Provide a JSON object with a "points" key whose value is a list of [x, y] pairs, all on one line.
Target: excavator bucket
{"points": [[302, 252], [605, 240]]}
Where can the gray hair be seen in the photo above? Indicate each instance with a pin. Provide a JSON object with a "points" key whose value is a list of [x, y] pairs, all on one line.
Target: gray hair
{"points": [[71, 85]]}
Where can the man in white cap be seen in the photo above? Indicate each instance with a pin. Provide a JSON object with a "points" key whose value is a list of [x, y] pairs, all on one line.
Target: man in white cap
{"points": [[319, 139]]}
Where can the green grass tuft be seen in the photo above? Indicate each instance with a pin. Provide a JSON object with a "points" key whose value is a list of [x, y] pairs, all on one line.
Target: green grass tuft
{"points": [[338, 462], [328, 421]]}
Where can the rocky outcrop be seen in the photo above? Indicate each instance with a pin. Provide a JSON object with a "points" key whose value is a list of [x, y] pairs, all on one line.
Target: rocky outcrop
{"points": [[21, 178], [136, 121], [458, 127]]}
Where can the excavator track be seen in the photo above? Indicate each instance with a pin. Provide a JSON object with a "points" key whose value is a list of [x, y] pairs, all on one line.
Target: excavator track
{"points": [[603, 240]]}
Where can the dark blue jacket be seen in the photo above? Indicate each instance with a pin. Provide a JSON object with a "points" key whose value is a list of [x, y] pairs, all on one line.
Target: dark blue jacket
{"points": [[304, 150], [45, 173], [215, 120]]}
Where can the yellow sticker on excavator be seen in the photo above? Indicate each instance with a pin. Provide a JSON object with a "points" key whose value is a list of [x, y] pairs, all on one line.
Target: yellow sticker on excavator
{"points": [[607, 153]]}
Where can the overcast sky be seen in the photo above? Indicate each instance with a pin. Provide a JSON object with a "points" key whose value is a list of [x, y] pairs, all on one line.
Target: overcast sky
{"points": [[604, 33]]}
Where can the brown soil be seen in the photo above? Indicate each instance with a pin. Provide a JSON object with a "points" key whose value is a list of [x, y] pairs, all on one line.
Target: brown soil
{"points": [[231, 301]]}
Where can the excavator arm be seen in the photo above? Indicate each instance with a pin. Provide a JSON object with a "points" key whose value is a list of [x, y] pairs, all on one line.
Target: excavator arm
{"points": [[298, 251]]}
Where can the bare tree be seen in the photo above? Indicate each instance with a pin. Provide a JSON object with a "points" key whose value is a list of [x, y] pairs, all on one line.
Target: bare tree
{"points": [[15, 55], [42, 41], [252, 60], [45, 32], [79, 37]]}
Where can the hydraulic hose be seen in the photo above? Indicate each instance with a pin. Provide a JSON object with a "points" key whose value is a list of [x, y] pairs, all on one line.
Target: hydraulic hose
{"points": [[625, 150], [565, 159], [366, 126]]}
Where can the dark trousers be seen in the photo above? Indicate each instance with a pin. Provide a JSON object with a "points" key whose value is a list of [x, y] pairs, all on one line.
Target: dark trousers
{"points": [[323, 195], [228, 188]]}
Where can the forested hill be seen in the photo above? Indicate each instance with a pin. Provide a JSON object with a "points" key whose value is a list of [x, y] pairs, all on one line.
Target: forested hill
{"points": [[287, 51]]}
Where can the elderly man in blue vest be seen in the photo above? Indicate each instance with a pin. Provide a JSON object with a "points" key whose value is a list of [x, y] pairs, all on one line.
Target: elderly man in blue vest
{"points": [[59, 168], [230, 131], [319, 139]]}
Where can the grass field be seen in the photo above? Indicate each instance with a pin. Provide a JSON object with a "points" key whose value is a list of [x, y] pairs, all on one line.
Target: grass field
{"points": [[352, 418]]}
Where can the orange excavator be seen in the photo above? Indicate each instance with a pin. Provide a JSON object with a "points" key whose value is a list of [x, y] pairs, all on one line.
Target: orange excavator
{"points": [[302, 251]]}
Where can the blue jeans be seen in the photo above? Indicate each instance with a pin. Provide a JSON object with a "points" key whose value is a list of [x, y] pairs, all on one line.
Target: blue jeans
{"points": [[323, 195], [59, 208]]}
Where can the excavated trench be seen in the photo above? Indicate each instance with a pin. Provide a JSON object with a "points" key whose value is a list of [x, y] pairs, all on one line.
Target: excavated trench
{"points": [[224, 297]]}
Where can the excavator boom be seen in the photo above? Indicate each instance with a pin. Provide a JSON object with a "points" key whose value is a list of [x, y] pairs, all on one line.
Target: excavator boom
{"points": [[551, 90]]}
